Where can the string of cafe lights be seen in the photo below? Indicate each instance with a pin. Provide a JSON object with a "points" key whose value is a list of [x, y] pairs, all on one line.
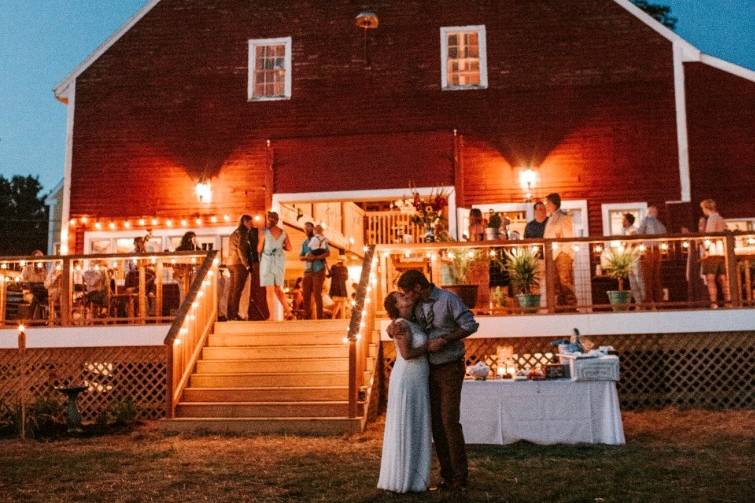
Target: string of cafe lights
{"points": [[94, 223]]}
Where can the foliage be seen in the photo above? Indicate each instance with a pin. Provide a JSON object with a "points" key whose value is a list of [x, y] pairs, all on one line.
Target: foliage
{"points": [[661, 13], [23, 216], [424, 211], [522, 266], [494, 220], [618, 263], [45, 417], [124, 412], [461, 263]]}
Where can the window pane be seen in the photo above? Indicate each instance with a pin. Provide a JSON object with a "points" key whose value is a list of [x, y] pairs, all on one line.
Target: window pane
{"points": [[259, 89], [280, 51], [453, 40], [279, 88]]}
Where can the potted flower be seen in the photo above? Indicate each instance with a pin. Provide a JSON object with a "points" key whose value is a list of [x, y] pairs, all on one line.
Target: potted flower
{"points": [[618, 264], [494, 224], [460, 262], [522, 266]]}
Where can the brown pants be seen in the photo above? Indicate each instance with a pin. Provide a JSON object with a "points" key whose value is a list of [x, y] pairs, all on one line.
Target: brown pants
{"points": [[651, 271], [565, 295], [312, 287], [445, 401]]}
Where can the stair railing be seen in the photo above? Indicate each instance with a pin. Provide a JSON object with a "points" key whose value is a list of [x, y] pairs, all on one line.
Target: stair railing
{"points": [[360, 328], [190, 329]]}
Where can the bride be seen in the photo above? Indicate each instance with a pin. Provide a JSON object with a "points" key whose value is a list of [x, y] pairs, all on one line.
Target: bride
{"points": [[407, 441]]}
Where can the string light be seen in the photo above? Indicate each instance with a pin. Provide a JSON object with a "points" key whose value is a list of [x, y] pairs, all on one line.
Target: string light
{"points": [[226, 218], [198, 221], [141, 221], [184, 223], [84, 220], [155, 221], [127, 224], [111, 226], [169, 223], [97, 225]]}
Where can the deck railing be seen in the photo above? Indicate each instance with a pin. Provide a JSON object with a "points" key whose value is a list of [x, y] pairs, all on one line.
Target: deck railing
{"points": [[574, 274], [389, 227], [190, 329], [97, 289]]}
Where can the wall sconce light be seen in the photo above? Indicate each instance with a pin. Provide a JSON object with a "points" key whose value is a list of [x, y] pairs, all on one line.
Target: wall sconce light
{"points": [[528, 180], [366, 20], [203, 190]]}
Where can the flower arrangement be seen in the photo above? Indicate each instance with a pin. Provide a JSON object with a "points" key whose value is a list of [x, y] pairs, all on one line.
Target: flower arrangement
{"points": [[426, 211]]}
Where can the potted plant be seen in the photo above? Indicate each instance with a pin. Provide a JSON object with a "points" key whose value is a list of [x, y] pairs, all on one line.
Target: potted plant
{"points": [[494, 224], [460, 262], [618, 264], [522, 266]]}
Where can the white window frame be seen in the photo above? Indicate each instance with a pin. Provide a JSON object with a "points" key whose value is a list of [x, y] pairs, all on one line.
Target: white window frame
{"points": [[444, 31], [253, 43], [606, 209]]}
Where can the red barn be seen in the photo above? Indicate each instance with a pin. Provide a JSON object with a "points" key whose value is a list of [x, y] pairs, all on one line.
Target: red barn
{"points": [[334, 108]]}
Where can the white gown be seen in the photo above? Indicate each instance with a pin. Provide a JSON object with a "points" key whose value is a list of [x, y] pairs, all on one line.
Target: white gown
{"points": [[407, 440]]}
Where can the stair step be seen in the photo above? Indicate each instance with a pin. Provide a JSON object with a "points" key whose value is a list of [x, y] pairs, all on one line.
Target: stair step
{"points": [[275, 339], [267, 425], [274, 365], [265, 409], [266, 394], [301, 326], [230, 380], [275, 352]]}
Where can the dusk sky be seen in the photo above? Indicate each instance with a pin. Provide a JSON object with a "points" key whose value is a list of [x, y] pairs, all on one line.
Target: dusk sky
{"points": [[41, 41]]}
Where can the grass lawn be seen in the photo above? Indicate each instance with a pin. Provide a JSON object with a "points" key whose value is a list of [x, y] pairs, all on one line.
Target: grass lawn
{"points": [[670, 456]]}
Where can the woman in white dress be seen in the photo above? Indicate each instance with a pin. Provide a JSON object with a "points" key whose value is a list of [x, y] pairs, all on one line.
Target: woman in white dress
{"points": [[272, 245], [407, 440]]}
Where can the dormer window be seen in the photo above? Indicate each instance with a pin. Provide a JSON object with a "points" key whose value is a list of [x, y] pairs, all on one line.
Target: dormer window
{"points": [[463, 57], [269, 69]]}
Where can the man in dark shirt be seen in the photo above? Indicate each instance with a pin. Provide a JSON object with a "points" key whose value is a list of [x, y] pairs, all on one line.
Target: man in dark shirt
{"points": [[536, 228], [238, 264], [257, 295]]}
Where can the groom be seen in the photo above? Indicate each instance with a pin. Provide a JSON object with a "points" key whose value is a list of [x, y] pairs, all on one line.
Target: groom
{"points": [[447, 321]]}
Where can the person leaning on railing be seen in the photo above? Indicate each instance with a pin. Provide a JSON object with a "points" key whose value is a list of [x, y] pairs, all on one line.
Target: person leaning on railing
{"points": [[651, 259], [713, 267]]}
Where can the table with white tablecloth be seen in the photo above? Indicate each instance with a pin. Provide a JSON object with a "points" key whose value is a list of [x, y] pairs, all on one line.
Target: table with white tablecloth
{"points": [[542, 412]]}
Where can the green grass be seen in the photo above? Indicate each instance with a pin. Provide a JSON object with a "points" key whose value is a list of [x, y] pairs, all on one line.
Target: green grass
{"points": [[671, 456]]}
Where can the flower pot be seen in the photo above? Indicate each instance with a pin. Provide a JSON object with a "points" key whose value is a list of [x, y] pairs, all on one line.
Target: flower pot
{"points": [[619, 299], [467, 293], [529, 302], [491, 234]]}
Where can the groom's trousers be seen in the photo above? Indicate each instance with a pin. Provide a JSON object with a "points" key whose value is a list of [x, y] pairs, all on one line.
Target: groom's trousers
{"points": [[445, 402]]}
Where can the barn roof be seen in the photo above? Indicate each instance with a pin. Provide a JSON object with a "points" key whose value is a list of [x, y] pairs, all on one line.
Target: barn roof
{"points": [[690, 52]]}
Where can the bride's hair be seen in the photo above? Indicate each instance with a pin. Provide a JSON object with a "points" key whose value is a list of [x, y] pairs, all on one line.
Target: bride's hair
{"points": [[391, 305]]}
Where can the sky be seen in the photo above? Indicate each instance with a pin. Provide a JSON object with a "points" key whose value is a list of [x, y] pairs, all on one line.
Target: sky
{"points": [[42, 41]]}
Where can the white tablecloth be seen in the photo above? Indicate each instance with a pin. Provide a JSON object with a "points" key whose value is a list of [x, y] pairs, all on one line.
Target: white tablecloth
{"points": [[543, 412]]}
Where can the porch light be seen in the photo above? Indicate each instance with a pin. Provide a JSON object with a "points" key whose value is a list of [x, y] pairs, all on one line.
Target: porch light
{"points": [[527, 180], [203, 190]]}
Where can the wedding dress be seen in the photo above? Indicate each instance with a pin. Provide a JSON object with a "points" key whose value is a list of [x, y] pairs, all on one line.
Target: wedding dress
{"points": [[407, 440]]}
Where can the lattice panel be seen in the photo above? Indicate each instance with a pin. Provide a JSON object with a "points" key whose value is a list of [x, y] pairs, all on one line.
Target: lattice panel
{"points": [[657, 370], [112, 375]]}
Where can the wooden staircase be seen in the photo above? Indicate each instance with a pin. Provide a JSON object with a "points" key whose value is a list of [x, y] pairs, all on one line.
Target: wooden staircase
{"points": [[269, 377]]}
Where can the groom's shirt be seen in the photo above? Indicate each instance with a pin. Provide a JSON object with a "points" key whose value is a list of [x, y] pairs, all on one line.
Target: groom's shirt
{"points": [[441, 315]]}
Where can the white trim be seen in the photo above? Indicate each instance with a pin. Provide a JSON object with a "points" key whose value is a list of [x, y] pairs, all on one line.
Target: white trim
{"points": [[728, 67], [67, 167], [286, 42], [444, 31], [368, 195], [87, 336], [164, 234], [53, 200], [528, 208], [606, 208], [60, 90], [682, 142], [643, 322], [690, 52], [578, 204]]}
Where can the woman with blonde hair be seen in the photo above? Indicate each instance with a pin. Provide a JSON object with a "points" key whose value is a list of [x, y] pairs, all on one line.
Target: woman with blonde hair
{"points": [[273, 242]]}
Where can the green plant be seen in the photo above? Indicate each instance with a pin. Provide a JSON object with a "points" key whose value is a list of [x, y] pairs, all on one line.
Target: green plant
{"points": [[494, 220], [461, 262], [522, 266], [124, 412], [618, 263]]}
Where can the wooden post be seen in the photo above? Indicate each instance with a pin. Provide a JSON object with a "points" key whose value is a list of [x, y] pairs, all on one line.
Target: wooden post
{"points": [[550, 276], [159, 288], [22, 379], [353, 388], [3, 290], [732, 270], [66, 294], [142, 293]]}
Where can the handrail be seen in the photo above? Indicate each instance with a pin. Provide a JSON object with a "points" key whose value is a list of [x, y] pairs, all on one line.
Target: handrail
{"points": [[190, 329], [359, 325]]}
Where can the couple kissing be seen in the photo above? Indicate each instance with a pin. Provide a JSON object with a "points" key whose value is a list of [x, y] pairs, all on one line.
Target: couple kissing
{"points": [[424, 395]]}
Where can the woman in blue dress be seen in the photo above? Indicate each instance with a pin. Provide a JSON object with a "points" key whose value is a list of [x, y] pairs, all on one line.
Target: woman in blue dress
{"points": [[273, 243]]}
